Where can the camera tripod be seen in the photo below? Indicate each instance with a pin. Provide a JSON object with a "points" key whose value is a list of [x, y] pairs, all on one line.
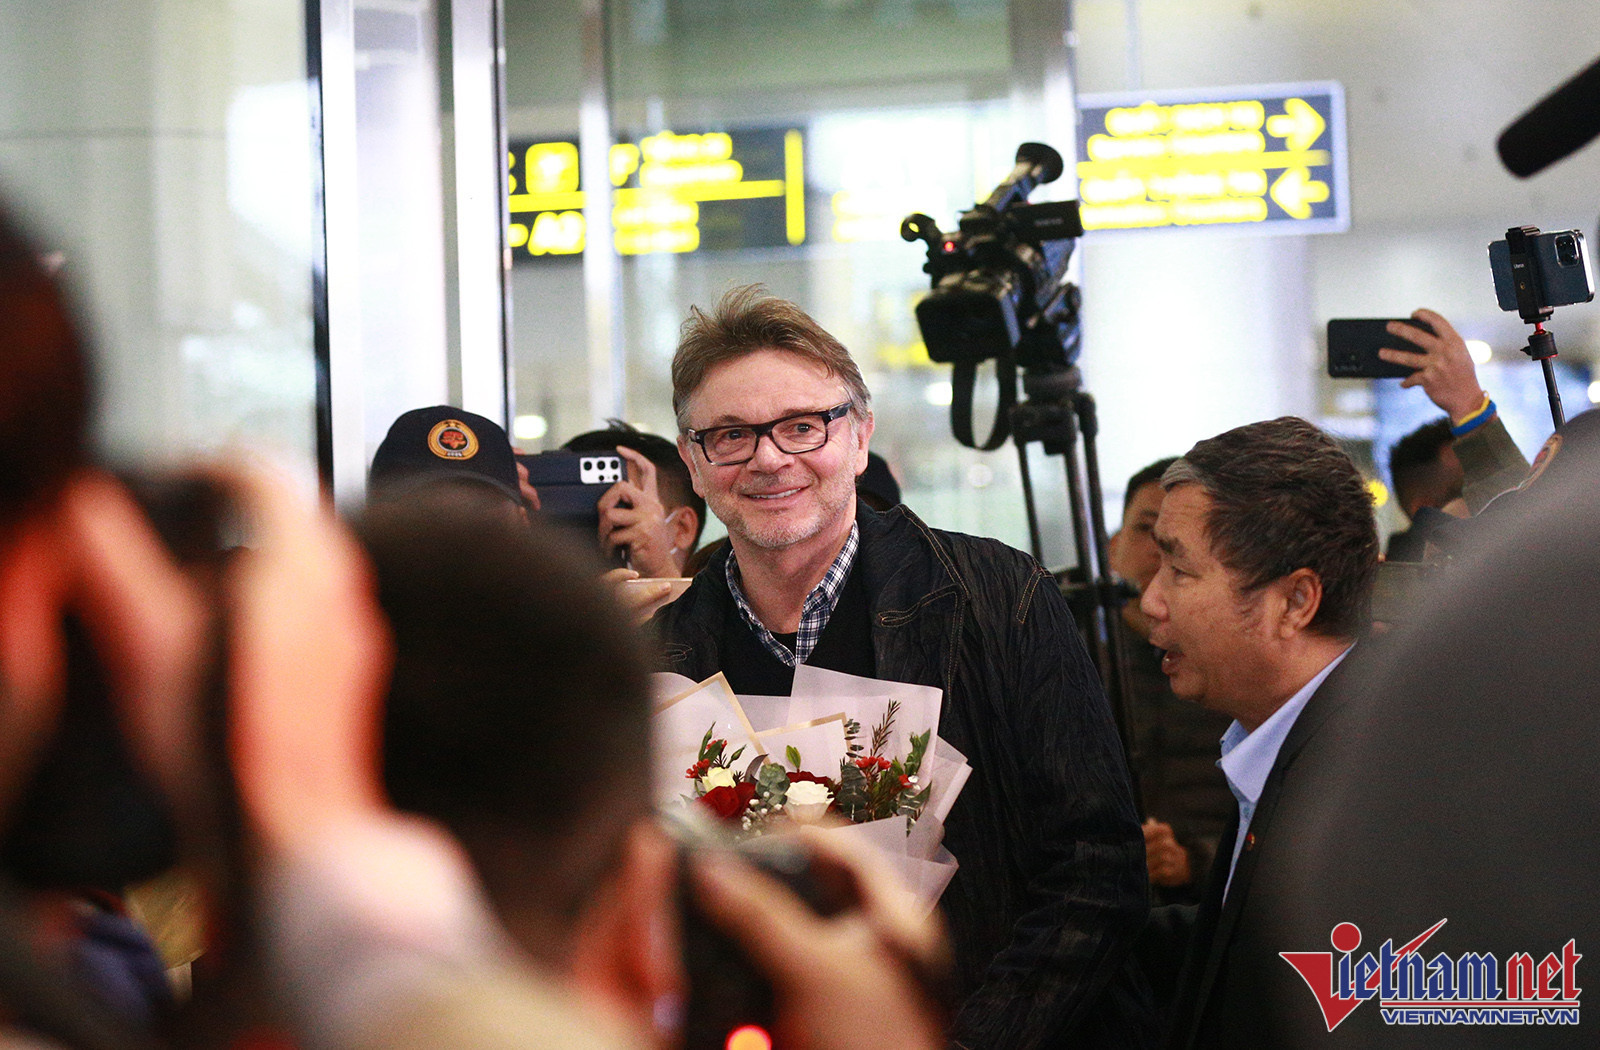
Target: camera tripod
{"points": [[1058, 412]]}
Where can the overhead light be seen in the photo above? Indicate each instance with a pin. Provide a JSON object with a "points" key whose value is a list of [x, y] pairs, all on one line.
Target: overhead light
{"points": [[529, 428]]}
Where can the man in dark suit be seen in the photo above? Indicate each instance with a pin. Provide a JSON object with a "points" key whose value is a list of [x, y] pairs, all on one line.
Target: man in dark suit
{"points": [[1268, 555]]}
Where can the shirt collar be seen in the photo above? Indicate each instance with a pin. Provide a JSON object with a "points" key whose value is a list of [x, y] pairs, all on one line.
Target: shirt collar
{"points": [[814, 612], [1248, 758]]}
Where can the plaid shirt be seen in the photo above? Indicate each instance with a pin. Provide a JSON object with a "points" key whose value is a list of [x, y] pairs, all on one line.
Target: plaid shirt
{"points": [[813, 614]]}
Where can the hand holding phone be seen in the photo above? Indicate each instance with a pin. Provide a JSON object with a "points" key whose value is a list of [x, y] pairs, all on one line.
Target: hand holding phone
{"points": [[633, 519], [570, 484], [1422, 350], [1355, 347], [1443, 364]]}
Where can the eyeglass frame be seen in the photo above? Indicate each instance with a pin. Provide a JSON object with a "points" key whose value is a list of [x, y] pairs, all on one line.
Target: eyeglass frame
{"points": [[764, 430]]}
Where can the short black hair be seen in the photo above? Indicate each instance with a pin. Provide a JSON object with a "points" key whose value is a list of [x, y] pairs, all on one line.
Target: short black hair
{"points": [[44, 380], [1285, 496], [1420, 479], [518, 713], [1150, 475], [672, 475]]}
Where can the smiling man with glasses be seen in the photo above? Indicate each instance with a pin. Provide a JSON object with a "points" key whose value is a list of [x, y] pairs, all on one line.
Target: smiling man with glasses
{"points": [[774, 421]]}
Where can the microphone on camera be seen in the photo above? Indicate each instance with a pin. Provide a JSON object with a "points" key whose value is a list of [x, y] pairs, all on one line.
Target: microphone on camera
{"points": [[1561, 123]]}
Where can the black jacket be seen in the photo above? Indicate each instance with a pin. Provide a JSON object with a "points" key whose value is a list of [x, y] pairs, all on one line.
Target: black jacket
{"points": [[1232, 969], [1051, 888]]}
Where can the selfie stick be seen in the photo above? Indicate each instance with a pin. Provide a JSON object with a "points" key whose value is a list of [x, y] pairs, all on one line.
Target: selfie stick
{"points": [[1541, 343]]}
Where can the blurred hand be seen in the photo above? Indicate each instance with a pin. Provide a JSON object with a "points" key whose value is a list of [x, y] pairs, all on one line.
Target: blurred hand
{"points": [[633, 516], [857, 981], [1444, 366], [149, 624], [641, 599], [1167, 860], [529, 493], [309, 659]]}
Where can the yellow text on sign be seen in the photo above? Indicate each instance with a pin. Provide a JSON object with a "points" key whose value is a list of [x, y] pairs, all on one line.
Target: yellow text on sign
{"points": [[1202, 163], [675, 174]]}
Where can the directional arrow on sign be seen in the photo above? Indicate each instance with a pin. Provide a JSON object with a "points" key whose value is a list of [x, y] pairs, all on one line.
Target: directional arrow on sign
{"points": [[1299, 125], [1296, 191]]}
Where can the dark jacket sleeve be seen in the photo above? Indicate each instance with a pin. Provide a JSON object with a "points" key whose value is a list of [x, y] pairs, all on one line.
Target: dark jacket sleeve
{"points": [[1162, 946], [1064, 976], [1490, 462]]}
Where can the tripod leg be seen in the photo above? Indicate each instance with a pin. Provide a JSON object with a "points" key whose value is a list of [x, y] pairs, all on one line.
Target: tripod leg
{"points": [[1034, 536], [1114, 670]]}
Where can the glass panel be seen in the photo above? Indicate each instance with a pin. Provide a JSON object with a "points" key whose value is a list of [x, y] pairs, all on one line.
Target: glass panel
{"points": [[163, 148], [838, 121]]}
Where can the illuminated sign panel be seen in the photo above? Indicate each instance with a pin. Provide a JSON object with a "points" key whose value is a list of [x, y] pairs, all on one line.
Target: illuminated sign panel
{"points": [[1269, 159], [671, 192]]}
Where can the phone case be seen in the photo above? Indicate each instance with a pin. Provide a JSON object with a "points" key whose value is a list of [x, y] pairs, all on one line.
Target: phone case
{"points": [[1353, 345]]}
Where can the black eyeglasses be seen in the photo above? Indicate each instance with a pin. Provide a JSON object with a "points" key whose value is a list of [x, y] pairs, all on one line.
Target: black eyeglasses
{"points": [[732, 445]]}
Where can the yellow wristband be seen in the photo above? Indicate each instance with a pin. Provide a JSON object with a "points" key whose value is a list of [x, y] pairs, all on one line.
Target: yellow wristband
{"points": [[1483, 406]]}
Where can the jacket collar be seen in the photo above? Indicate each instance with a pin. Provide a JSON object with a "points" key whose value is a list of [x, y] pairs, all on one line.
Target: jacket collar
{"points": [[907, 569], [895, 564]]}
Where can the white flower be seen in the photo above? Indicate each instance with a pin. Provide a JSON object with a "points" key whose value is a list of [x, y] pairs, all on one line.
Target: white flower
{"points": [[807, 801], [717, 776], [805, 792]]}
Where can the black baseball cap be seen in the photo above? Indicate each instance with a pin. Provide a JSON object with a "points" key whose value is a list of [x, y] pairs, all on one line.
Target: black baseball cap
{"points": [[442, 443]]}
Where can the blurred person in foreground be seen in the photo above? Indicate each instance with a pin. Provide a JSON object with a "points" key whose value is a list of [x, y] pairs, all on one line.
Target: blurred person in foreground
{"points": [[519, 717], [1268, 555], [306, 654], [1051, 889], [370, 921], [1449, 815], [1173, 743]]}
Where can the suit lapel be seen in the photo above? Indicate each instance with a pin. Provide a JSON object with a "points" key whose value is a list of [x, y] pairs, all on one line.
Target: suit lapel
{"points": [[1227, 912], [1194, 980]]}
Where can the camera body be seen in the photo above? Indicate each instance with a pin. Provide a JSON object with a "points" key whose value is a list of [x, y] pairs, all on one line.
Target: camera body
{"points": [[90, 814], [727, 992], [1000, 287], [1552, 271]]}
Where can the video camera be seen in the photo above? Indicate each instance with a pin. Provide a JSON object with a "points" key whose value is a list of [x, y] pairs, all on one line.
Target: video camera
{"points": [[1000, 287]]}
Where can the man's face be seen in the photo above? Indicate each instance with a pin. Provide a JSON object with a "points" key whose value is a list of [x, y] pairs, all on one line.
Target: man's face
{"points": [[777, 500], [1135, 556], [1218, 649]]}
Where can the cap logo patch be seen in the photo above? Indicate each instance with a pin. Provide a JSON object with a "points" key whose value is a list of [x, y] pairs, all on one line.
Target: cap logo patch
{"points": [[452, 439]]}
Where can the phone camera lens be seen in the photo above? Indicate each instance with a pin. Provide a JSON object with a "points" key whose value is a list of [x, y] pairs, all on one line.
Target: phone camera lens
{"points": [[1566, 249]]}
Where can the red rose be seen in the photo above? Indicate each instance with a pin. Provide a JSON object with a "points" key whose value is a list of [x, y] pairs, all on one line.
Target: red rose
{"points": [[796, 778], [729, 803]]}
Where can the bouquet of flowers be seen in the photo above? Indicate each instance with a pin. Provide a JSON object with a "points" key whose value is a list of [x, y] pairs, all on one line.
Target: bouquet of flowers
{"points": [[867, 787], [762, 763]]}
